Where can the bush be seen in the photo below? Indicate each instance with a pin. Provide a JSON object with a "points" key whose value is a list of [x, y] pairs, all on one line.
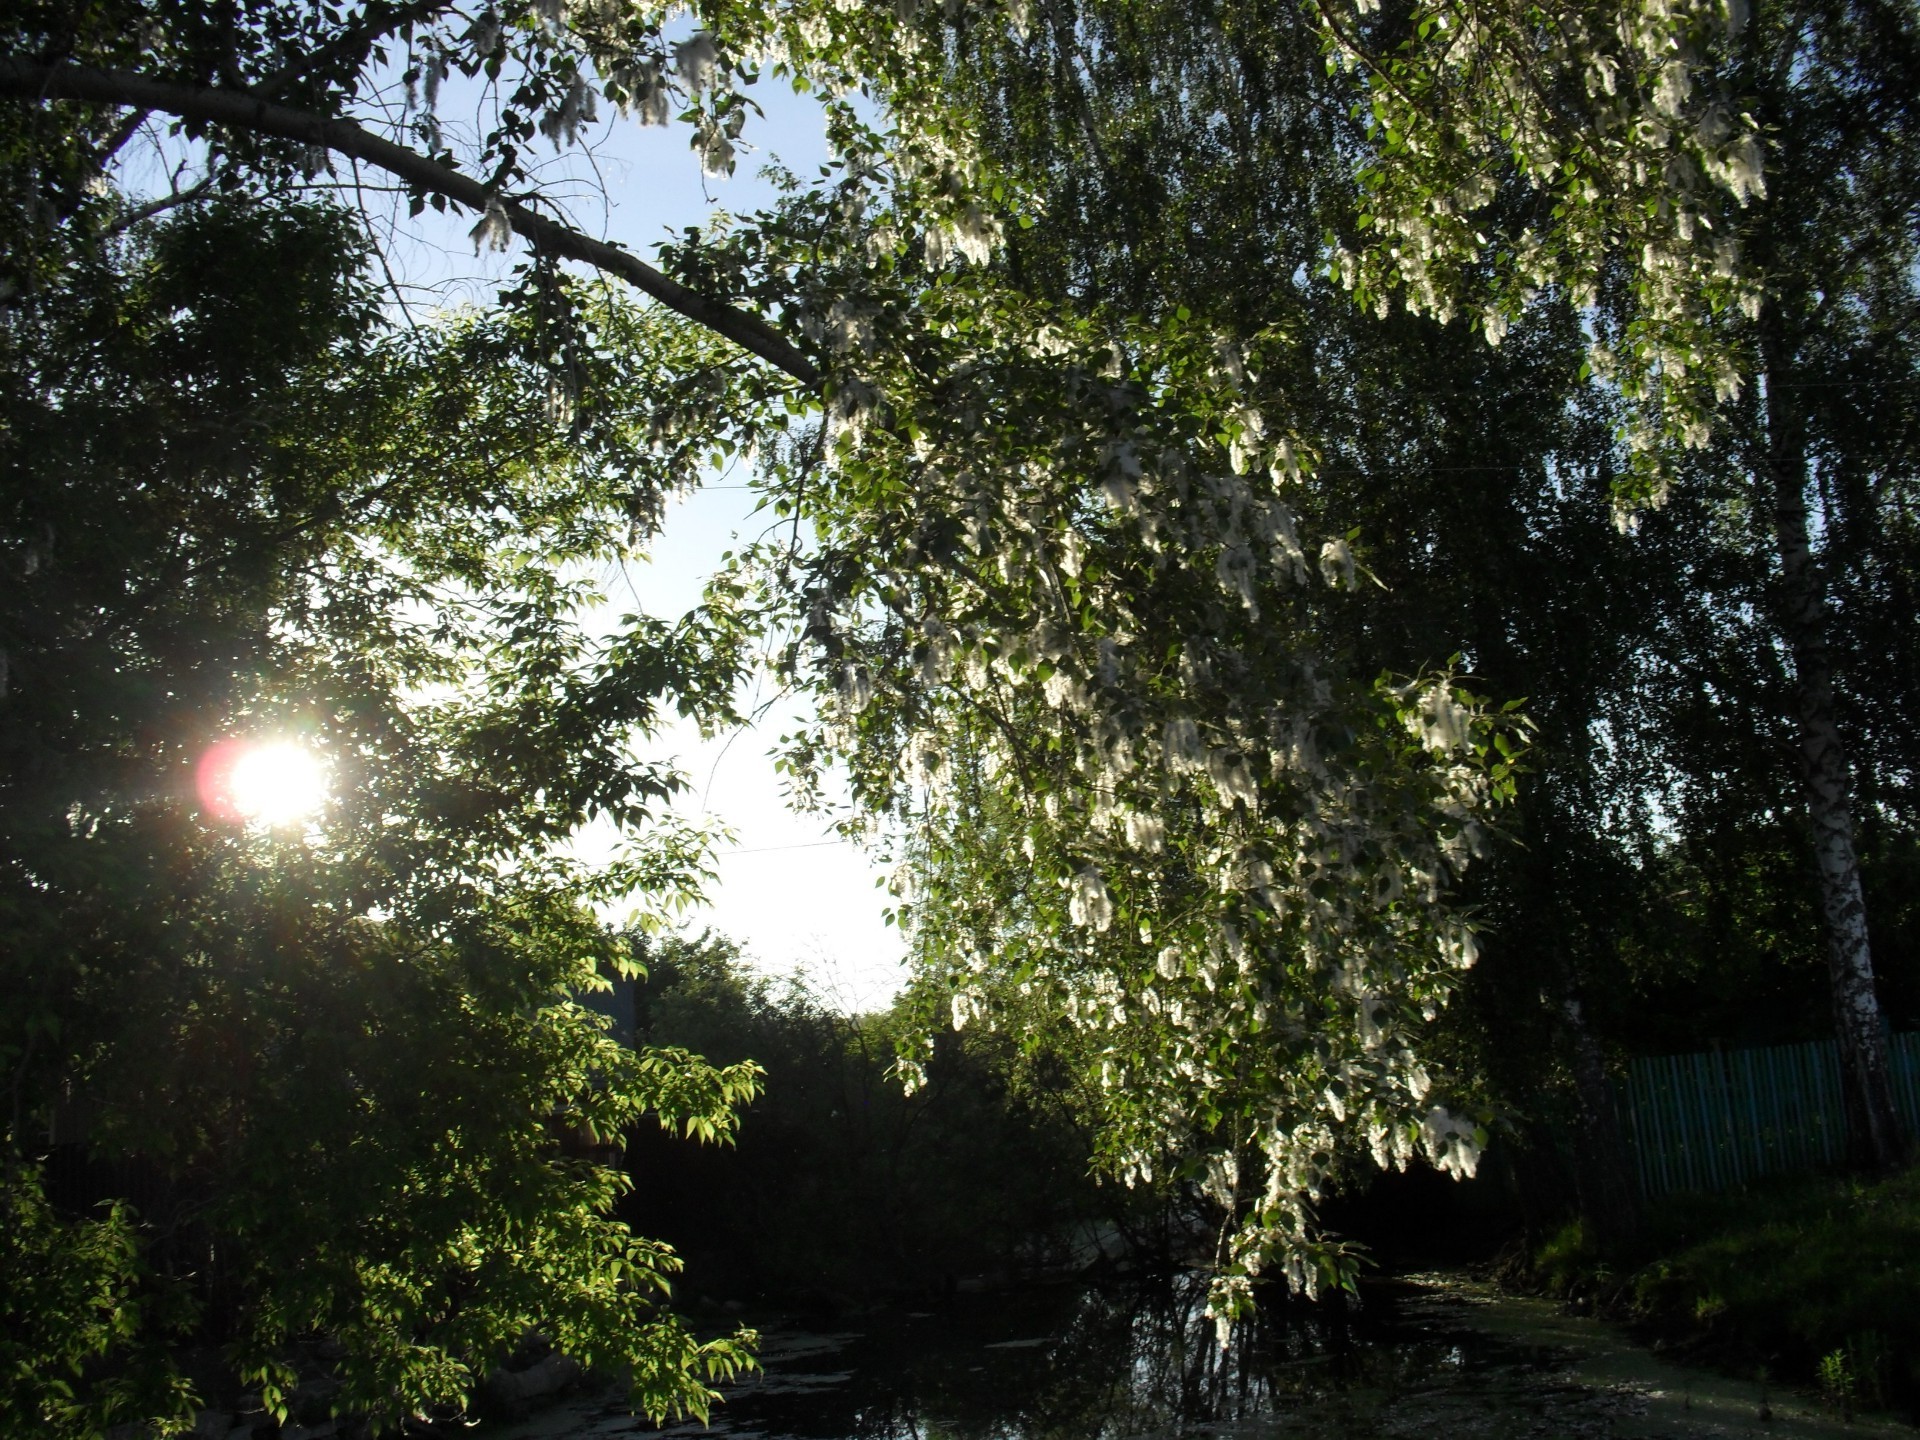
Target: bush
{"points": [[841, 1182], [1812, 1279]]}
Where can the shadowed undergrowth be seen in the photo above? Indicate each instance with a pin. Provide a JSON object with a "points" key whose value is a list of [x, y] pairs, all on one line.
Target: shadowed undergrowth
{"points": [[1814, 1280]]}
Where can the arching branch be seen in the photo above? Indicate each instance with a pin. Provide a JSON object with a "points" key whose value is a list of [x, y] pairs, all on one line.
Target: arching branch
{"points": [[241, 111]]}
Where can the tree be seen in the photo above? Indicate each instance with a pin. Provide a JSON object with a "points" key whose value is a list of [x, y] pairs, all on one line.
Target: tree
{"points": [[330, 1071], [1071, 555], [839, 1182], [1845, 231], [1073, 115], [1638, 126], [1131, 657], [1607, 168]]}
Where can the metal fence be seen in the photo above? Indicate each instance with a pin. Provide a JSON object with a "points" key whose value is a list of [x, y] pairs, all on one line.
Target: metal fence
{"points": [[1716, 1120]]}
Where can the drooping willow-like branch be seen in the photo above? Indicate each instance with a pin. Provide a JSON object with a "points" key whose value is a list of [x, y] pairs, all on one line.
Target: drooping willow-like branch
{"points": [[238, 110]]}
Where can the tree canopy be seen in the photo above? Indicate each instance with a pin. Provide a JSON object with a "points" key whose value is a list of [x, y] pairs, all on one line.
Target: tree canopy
{"points": [[1128, 550], [337, 1063]]}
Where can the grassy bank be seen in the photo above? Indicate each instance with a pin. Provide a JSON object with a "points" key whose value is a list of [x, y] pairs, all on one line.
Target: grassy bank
{"points": [[1810, 1281]]}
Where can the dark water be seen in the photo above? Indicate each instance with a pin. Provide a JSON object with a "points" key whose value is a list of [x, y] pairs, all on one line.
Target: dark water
{"points": [[1432, 1355]]}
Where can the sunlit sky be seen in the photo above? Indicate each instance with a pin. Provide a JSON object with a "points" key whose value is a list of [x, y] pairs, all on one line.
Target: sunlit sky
{"points": [[794, 895]]}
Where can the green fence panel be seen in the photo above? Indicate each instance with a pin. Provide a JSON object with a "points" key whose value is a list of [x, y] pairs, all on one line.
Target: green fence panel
{"points": [[1904, 1053], [1716, 1120]]}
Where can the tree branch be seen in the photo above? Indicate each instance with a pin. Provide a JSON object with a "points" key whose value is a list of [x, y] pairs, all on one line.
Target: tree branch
{"points": [[115, 142], [355, 42], [172, 200], [245, 112]]}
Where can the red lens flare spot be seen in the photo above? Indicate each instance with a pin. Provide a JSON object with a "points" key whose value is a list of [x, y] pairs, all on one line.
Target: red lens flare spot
{"points": [[268, 783]]}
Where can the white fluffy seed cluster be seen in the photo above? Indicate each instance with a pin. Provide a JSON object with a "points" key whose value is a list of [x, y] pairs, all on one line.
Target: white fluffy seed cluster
{"points": [[1184, 857], [1653, 166]]}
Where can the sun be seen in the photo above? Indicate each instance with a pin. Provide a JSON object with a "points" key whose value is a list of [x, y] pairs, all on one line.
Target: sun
{"points": [[268, 783]]}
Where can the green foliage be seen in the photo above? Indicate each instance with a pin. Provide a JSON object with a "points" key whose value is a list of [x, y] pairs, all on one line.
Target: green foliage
{"points": [[1135, 546], [74, 1295], [1133, 789], [1515, 149], [342, 1066], [1837, 1381], [1567, 1260], [1810, 1280], [841, 1183]]}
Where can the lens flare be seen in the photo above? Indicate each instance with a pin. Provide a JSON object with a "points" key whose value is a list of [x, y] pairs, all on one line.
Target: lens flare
{"points": [[270, 784]]}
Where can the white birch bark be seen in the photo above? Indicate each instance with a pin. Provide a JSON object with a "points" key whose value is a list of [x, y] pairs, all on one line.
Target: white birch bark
{"points": [[1873, 1124]]}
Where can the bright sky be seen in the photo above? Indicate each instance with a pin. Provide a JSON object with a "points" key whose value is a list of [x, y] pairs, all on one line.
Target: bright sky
{"points": [[793, 894]]}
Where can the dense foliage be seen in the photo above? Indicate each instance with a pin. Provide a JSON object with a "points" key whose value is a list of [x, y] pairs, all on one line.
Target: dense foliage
{"points": [[323, 1074], [1129, 553], [839, 1184], [1672, 674]]}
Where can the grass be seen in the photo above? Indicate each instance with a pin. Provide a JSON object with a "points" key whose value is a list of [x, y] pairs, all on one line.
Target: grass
{"points": [[1814, 1281]]}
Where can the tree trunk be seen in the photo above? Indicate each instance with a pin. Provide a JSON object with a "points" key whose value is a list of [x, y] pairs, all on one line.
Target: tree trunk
{"points": [[1873, 1125], [1602, 1168]]}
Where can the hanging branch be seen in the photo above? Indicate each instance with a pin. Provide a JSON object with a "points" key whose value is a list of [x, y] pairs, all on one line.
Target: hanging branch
{"points": [[242, 111]]}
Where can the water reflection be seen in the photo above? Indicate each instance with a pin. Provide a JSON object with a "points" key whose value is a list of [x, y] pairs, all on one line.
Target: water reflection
{"points": [[1138, 1361], [1132, 1360]]}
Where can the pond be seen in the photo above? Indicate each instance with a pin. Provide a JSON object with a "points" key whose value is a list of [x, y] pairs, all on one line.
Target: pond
{"points": [[1419, 1355]]}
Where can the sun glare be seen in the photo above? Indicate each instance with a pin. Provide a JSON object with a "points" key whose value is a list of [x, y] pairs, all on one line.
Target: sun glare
{"points": [[266, 783]]}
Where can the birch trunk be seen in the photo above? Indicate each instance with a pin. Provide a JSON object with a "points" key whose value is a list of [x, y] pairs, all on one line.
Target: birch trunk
{"points": [[1873, 1124]]}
